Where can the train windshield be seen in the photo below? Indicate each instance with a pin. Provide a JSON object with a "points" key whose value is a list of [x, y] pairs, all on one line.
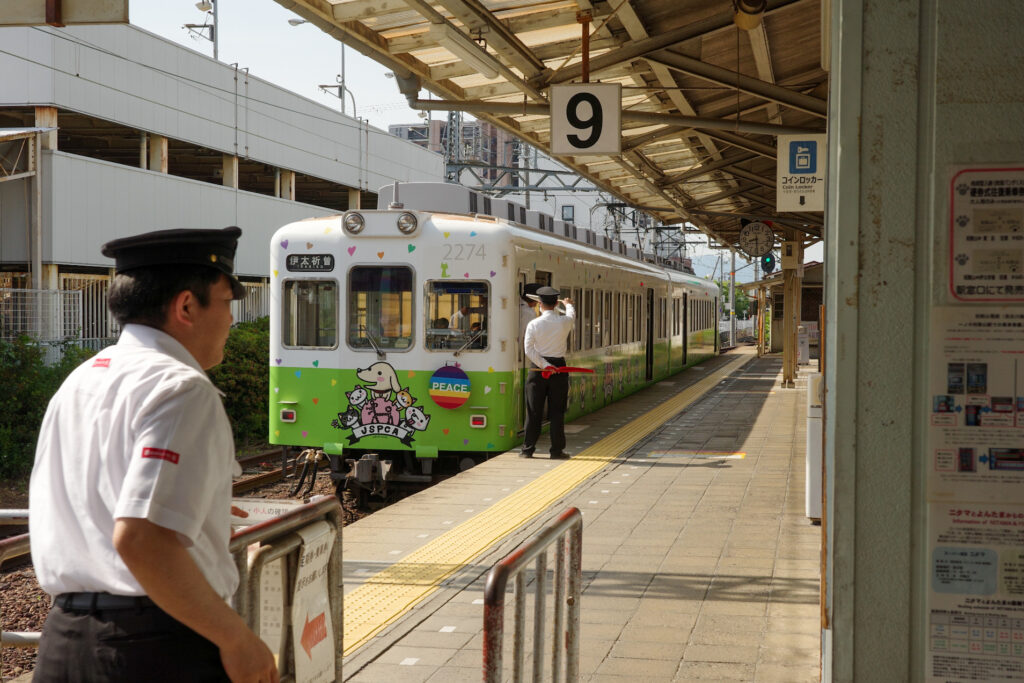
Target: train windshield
{"points": [[457, 315], [380, 307], [310, 314]]}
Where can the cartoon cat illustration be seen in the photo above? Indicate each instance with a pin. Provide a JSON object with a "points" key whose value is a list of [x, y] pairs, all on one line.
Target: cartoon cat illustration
{"points": [[346, 420], [357, 397], [416, 419], [404, 399]]}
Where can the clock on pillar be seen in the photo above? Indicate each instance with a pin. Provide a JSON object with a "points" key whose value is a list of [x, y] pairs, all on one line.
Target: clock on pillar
{"points": [[756, 239]]}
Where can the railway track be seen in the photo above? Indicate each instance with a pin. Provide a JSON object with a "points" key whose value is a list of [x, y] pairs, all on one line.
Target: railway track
{"points": [[252, 482]]}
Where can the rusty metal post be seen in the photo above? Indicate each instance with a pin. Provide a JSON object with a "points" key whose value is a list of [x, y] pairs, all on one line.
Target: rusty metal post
{"points": [[559, 600], [567, 529], [540, 588], [584, 19]]}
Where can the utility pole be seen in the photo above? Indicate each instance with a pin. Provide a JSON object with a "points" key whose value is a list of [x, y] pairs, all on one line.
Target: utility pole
{"points": [[732, 300]]}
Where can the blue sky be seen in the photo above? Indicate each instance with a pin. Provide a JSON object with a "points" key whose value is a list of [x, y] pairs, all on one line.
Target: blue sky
{"points": [[256, 34]]}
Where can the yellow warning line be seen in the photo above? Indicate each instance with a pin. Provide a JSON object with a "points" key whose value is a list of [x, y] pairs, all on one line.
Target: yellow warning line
{"points": [[386, 596]]}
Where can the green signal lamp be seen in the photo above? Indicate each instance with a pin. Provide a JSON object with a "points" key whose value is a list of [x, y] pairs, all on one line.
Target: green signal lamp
{"points": [[768, 263]]}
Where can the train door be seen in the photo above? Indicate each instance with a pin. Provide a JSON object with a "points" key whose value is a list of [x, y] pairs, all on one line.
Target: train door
{"points": [[718, 336], [521, 362], [684, 320], [649, 372]]}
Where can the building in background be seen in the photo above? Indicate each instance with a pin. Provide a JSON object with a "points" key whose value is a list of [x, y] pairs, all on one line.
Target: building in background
{"points": [[138, 133]]}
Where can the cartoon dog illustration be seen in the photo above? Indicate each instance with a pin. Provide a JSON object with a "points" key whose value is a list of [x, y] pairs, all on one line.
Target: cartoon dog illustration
{"points": [[382, 377], [416, 418], [357, 397], [380, 411], [404, 399]]}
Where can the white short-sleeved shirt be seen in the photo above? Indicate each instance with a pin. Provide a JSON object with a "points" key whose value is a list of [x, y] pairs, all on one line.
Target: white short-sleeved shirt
{"points": [[547, 335], [526, 314], [138, 431]]}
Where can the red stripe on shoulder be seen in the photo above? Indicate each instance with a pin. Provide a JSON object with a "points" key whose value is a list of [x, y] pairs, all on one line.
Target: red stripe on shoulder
{"points": [[161, 454], [101, 363]]}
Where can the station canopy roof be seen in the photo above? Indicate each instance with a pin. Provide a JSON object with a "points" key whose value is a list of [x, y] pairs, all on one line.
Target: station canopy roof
{"points": [[702, 99]]}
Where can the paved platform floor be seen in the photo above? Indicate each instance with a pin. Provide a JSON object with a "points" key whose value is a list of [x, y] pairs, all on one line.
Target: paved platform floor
{"points": [[698, 562]]}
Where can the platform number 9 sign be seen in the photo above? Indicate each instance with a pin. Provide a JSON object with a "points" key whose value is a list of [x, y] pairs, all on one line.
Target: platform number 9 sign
{"points": [[586, 118]]}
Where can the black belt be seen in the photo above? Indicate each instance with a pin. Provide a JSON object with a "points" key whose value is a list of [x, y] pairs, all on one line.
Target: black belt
{"points": [[101, 601], [556, 361]]}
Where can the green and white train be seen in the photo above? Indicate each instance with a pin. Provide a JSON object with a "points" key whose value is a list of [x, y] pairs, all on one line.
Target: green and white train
{"points": [[396, 333]]}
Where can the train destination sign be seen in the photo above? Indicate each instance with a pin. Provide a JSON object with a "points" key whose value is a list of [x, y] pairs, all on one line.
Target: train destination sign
{"points": [[310, 263]]}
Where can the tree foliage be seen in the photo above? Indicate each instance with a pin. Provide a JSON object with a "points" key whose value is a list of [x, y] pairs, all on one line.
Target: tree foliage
{"points": [[28, 384], [243, 377]]}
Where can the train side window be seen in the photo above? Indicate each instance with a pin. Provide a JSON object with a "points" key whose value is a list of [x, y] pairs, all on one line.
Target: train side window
{"points": [[310, 314], [577, 326], [627, 321], [457, 315], [608, 318], [380, 308], [585, 324]]}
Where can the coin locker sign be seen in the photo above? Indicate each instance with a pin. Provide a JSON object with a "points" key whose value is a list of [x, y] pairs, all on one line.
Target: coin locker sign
{"points": [[800, 172], [986, 234]]}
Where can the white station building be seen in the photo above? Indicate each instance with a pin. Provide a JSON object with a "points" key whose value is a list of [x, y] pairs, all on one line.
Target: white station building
{"points": [[137, 133]]}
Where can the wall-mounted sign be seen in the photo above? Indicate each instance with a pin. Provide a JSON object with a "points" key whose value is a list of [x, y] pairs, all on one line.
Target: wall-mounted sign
{"points": [[974, 472], [310, 263], [586, 118], [800, 172], [986, 234], [449, 387]]}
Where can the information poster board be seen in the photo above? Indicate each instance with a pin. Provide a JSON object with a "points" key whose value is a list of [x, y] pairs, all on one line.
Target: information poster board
{"points": [[975, 493], [986, 234]]}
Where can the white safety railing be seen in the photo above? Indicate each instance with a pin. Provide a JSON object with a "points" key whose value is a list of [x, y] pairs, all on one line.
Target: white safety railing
{"points": [[566, 534], [10, 548], [43, 314], [252, 548]]}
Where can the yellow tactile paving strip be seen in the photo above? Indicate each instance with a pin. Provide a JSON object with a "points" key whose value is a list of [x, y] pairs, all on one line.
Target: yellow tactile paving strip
{"points": [[386, 596]]}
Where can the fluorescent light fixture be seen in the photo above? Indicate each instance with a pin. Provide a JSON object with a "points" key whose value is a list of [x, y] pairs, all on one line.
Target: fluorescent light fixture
{"points": [[463, 48], [298, 22]]}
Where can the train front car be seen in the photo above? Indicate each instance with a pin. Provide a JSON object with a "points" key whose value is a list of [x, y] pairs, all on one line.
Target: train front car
{"points": [[392, 339]]}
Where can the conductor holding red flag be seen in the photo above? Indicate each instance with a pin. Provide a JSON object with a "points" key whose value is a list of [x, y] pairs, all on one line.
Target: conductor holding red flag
{"points": [[546, 345]]}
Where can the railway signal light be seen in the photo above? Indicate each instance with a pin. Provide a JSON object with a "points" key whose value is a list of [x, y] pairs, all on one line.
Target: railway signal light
{"points": [[768, 263]]}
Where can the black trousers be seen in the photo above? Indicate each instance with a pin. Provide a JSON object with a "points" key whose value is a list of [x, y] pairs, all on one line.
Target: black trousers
{"points": [[130, 644], [555, 392]]}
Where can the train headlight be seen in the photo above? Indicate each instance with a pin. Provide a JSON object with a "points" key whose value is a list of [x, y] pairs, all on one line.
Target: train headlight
{"points": [[406, 223], [354, 223]]}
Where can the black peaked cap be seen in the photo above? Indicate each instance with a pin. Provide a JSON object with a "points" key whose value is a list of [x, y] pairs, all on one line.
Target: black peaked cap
{"points": [[548, 295], [212, 248]]}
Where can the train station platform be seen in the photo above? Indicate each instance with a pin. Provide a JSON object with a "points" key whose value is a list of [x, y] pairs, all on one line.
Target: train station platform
{"points": [[698, 562]]}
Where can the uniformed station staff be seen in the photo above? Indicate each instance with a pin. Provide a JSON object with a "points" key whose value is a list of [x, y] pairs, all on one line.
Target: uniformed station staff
{"points": [[545, 345], [130, 496], [527, 306]]}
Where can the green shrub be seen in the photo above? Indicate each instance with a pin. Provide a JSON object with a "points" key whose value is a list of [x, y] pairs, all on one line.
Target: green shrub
{"points": [[243, 377], [28, 383]]}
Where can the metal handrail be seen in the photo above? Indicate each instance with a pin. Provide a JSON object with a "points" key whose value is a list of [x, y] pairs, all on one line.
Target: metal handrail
{"points": [[567, 530], [13, 517], [276, 537], [16, 546]]}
